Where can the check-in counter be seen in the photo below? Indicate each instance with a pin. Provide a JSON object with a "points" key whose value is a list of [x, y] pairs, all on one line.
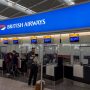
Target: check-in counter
{"points": [[87, 73], [54, 71], [68, 71], [77, 72]]}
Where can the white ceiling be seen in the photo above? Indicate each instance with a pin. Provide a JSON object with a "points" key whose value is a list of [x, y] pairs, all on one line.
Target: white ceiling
{"points": [[16, 8]]}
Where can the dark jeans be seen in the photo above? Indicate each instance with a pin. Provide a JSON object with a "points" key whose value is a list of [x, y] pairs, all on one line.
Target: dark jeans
{"points": [[8, 67], [33, 74]]}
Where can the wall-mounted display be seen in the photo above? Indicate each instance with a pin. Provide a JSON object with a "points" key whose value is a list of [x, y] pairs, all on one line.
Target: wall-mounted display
{"points": [[15, 41], [5, 41], [47, 39], [33, 40], [74, 37]]}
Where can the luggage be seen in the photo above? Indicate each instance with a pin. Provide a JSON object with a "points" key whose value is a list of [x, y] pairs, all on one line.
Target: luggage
{"points": [[38, 85]]}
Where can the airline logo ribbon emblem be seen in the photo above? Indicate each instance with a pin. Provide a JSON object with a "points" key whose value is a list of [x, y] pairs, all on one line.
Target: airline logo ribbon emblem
{"points": [[2, 27]]}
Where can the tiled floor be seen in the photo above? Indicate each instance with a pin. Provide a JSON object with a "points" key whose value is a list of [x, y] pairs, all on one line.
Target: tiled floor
{"points": [[9, 84], [71, 85]]}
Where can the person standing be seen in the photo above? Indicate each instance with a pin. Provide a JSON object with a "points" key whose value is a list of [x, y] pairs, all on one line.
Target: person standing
{"points": [[34, 71], [30, 57], [15, 62], [9, 59]]}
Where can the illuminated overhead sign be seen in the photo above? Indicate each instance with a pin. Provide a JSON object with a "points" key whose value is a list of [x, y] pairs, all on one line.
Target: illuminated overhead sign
{"points": [[5, 41], [47, 36], [33, 40], [69, 18], [74, 37], [15, 40], [26, 24], [47, 39]]}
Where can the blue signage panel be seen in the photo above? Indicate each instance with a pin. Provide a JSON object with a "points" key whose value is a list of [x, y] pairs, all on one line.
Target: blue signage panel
{"points": [[73, 17]]}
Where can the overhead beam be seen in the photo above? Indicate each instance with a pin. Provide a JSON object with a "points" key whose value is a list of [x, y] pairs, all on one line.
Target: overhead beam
{"points": [[68, 2], [3, 17], [17, 6], [30, 7]]}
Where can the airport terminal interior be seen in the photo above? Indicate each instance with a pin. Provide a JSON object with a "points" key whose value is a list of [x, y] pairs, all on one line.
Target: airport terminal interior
{"points": [[44, 45]]}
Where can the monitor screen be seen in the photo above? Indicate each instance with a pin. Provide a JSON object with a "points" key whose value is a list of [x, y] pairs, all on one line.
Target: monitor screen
{"points": [[34, 41], [15, 42], [5, 42], [74, 39], [47, 40]]}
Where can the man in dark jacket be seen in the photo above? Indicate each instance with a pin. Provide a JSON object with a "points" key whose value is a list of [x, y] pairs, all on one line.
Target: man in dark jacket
{"points": [[30, 57], [15, 62]]}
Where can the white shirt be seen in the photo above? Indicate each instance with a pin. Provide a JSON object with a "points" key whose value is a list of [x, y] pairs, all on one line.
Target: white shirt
{"points": [[36, 61]]}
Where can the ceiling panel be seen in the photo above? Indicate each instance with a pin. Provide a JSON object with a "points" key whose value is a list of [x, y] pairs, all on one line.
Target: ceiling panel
{"points": [[2, 7], [79, 1], [9, 12], [28, 3], [60, 6], [18, 15], [47, 5], [15, 0]]}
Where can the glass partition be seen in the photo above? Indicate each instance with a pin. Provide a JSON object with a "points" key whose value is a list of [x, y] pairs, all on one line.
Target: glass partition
{"points": [[50, 64], [3, 51], [85, 55]]}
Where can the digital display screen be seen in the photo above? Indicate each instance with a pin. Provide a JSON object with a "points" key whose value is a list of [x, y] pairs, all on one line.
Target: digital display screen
{"points": [[5, 42], [34, 41], [74, 39], [47, 40], [15, 42]]}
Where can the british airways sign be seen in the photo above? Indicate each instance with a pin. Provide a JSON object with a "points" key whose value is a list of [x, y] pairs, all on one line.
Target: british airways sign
{"points": [[23, 24], [69, 18]]}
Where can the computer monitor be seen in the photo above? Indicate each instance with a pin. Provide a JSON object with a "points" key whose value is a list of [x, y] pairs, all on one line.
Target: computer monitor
{"points": [[15, 42], [47, 40], [5, 42], [33, 41], [74, 39]]}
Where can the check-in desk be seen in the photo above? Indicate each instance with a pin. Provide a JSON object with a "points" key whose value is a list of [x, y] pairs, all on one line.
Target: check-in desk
{"points": [[54, 71], [87, 74], [68, 71], [77, 72]]}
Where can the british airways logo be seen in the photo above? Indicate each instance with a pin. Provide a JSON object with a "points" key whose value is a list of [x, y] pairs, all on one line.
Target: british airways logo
{"points": [[2, 27], [23, 24]]}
